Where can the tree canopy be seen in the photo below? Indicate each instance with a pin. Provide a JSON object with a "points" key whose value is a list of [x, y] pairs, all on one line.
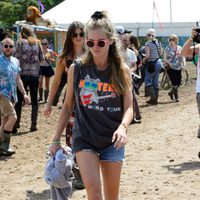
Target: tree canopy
{"points": [[15, 10]]}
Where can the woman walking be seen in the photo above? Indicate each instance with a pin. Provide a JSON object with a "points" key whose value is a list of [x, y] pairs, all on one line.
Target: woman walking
{"points": [[174, 63], [100, 84]]}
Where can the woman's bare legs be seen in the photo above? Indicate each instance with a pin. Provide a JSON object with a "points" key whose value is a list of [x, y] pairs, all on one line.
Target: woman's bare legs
{"points": [[89, 166]]}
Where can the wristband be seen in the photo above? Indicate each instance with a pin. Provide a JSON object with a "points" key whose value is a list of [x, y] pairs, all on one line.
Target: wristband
{"points": [[56, 142], [124, 125]]}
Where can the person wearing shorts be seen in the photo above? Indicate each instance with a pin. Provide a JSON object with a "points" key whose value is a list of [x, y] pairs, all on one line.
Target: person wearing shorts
{"points": [[100, 86], [10, 80]]}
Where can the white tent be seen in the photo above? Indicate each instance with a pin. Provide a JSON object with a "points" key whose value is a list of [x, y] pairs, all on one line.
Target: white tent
{"points": [[127, 11], [135, 15]]}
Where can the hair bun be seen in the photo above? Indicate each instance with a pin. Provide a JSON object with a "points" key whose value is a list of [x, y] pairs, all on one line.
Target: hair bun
{"points": [[97, 15]]}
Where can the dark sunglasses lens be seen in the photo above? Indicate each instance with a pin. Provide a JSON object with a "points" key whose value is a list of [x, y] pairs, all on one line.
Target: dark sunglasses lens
{"points": [[101, 43], [75, 34], [44, 43], [81, 34], [90, 43], [6, 46]]}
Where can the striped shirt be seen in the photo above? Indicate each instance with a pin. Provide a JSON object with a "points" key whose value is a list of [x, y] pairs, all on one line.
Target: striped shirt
{"points": [[154, 54]]}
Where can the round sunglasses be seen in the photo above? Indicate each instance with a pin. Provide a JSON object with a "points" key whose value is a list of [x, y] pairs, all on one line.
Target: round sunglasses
{"points": [[100, 43], [76, 35], [6, 46]]}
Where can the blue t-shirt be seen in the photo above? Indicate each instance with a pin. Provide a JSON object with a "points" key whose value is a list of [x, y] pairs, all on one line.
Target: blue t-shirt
{"points": [[9, 68]]}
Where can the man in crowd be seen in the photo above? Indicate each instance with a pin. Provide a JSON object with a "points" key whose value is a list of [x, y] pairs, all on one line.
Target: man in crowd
{"points": [[9, 81]]}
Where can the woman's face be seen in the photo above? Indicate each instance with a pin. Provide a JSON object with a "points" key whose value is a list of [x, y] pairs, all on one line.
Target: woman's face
{"points": [[45, 44], [151, 36], [172, 41], [78, 37], [98, 43]]}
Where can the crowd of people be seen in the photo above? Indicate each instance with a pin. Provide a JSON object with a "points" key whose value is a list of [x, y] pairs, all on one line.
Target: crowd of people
{"points": [[102, 68]]}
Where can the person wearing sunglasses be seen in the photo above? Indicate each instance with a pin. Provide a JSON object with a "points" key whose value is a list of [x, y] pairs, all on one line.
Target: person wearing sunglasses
{"points": [[190, 50], [175, 63], [153, 64], [73, 48], [104, 110], [30, 54], [46, 70], [10, 79]]}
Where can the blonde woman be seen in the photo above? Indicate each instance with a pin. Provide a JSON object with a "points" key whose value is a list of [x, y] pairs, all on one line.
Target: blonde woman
{"points": [[175, 63]]}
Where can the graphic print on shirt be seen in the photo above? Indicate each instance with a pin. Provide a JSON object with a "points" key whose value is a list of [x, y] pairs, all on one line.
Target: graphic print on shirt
{"points": [[89, 91]]}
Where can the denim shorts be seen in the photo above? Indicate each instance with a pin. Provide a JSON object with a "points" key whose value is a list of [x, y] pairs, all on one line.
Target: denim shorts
{"points": [[109, 154]]}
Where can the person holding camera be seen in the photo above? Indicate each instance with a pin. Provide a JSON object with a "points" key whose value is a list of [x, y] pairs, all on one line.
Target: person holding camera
{"points": [[153, 66], [189, 50], [174, 63]]}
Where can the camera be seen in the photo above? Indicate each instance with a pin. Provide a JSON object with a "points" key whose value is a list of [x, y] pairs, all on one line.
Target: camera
{"points": [[197, 38]]}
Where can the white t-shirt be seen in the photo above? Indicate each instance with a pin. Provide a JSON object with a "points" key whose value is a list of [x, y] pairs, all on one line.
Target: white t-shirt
{"points": [[129, 57]]}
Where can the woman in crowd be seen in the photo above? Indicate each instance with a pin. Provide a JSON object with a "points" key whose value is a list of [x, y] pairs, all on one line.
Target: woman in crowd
{"points": [[73, 48], [101, 87], [189, 50], [29, 52], [46, 70], [153, 66], [174, 62]]}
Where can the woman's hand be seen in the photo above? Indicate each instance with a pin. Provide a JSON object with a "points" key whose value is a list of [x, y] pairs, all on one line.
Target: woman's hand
{"points": [[54, 148], [120, 137], [47, 110]]}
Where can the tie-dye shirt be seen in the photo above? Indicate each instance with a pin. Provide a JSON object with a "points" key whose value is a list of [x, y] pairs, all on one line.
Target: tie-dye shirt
{"points": [[9, 68]]}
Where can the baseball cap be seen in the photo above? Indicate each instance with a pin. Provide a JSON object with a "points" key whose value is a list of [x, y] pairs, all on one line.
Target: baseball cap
{"points": [[120, 29]]}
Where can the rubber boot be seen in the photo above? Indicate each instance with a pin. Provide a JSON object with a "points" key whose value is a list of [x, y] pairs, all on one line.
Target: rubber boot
{"points": [[18, 110], [46, 94], [40, 94], [171, 93], [5, 149], [157, 93], [149, 92], [176, 94], [78, 182], [34, 115]]}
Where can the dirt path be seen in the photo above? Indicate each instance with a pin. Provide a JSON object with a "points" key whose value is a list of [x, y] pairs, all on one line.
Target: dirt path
{"points": [[161, 156]]}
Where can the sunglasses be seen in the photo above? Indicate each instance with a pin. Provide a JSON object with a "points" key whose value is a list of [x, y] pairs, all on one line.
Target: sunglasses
{"points": [[44, 43], [150, 35], [172, 39], [76, 35], [100, 43], [6, 46]]}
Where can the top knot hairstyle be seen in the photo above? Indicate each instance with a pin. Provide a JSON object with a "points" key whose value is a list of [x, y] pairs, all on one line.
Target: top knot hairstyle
{"points": [[97, 15], [117, 76]]}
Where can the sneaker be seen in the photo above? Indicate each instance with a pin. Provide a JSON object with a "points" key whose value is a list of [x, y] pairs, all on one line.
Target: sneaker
{"points": [[137, 120]]}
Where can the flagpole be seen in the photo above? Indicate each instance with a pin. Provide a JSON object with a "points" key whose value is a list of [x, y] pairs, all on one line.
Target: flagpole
{"points": [[153, 16], [170, 12]]}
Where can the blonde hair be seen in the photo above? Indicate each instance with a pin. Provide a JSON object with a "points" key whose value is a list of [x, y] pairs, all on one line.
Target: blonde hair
{"points": [[117, 76], [173, 36], [27, 33]]}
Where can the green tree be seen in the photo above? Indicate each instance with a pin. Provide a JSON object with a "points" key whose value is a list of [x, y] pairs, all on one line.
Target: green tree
{"points": [[15, 10]]}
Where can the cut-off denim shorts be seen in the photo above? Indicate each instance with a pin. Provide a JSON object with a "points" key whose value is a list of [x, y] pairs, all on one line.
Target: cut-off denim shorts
{"points": [[110, 153]]}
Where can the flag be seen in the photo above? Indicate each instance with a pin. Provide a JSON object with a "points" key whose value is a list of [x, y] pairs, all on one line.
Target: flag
{"points": [[155, 9]]}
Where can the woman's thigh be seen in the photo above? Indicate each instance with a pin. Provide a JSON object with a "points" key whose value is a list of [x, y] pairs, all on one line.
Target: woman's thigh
{"points": [[111, 172], [89, 166]]}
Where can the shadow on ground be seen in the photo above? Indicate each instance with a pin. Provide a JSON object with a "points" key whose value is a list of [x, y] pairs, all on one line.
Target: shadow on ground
{"points": [[186, 166]]}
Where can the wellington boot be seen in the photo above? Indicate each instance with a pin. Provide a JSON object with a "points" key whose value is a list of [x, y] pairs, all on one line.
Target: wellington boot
{"points": [[78, 182], [149, 92], [5, 149], [46, 94], [40, 94]]}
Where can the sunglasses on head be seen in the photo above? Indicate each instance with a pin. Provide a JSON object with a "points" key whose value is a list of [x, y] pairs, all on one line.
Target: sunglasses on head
{"points": [[76, 35], [100, 43], [44, 43], [6, 46]]}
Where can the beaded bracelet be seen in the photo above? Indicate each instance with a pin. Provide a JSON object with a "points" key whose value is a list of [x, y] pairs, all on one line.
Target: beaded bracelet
{"points": [[56, 142]]}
